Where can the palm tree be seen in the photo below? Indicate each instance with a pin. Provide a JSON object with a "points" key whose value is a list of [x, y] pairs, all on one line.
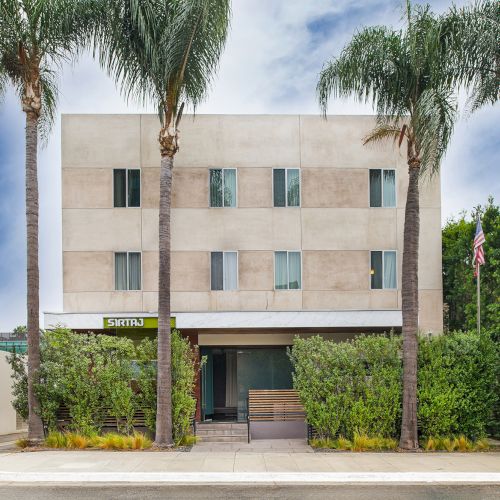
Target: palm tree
{"points": [[36, 37], [471, 37], [165, 51], [400, 73]]}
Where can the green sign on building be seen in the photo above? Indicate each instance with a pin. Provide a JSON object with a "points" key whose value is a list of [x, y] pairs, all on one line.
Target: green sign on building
{"points": [[144, 322]]}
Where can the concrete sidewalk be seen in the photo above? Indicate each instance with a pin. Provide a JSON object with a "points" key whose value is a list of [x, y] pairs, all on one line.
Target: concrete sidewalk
{"points": [[238, 466]]}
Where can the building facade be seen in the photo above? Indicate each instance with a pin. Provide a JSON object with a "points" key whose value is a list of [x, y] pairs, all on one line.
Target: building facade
{"points": [[281, 225]]}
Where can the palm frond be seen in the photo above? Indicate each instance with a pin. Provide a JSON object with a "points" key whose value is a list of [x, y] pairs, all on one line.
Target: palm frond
{"points": [[371, 68], [470, 37], [36, 37], [402, 73], [165, 52], [433, 122], [383, 132]]}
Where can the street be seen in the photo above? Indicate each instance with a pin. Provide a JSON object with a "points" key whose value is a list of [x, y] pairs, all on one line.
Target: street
{"points": [[302, 492]]}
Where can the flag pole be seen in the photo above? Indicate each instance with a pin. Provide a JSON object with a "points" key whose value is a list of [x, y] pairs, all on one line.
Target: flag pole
{"points": [[478, 299]]}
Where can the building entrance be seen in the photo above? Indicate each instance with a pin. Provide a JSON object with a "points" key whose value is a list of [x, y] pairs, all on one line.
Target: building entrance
{"points": [[228, 374]]}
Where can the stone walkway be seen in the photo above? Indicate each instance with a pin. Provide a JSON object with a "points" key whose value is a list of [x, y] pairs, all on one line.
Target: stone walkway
{"points": [[256, 446]]}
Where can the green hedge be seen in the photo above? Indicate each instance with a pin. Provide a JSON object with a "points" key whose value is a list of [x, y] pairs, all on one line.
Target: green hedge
{"points": [[92, 374], [457, 387], [355, 387], [349, 387]]}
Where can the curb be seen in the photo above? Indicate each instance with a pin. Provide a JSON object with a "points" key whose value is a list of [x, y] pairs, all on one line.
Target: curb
{"points": [[251, 477]]}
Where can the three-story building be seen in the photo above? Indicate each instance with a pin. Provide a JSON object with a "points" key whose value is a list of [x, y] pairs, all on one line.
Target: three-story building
{"points": [[281, 225]]}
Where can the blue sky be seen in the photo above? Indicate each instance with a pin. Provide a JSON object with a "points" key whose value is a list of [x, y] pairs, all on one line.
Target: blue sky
{"points": [[271, 64]]}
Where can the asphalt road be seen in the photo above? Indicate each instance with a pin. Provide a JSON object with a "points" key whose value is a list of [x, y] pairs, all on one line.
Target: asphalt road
{"points": [[348, 492]]}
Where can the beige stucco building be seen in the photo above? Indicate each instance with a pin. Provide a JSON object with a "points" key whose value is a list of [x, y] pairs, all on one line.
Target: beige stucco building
{"points": [[281, 225]]}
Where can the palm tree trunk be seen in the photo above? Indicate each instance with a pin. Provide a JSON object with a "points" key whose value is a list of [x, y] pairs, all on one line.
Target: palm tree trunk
{"points": [[409, 427], [35, 426], [164, 380]]}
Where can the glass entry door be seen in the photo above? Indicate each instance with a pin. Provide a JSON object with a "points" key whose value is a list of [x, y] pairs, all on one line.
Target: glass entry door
{"points": [[229, 373], [261, 369]]}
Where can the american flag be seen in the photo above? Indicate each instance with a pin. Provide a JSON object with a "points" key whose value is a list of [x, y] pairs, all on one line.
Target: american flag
{"points": [[478, 247]]}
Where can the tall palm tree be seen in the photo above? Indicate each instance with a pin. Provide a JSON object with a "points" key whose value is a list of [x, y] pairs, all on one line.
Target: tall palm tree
{"points": [[471, 37], [167, 52], [400, 73], [36, 37]]}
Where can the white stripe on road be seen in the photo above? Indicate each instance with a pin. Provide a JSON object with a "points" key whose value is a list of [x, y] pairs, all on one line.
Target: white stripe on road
{"points": [[249, 477]]}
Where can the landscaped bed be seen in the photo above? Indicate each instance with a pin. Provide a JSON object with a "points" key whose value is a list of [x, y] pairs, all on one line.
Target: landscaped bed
{"points": [[377, 444], [110, 442]]}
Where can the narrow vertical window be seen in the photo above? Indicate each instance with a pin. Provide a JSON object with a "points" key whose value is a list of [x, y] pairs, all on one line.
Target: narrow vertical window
{"points": [[216, 188], [121, 281], [134, 271], [230, 270], [383, 270], [389, 188], [294, 274], [376, 270], [279, 187], [286, 187], [390, 270], [126, 187], [224, 270], [223, 187], [229, 179], [287, 271], [382, 188], [375, 188], [293, 187], [120, 187], [134, 188]]}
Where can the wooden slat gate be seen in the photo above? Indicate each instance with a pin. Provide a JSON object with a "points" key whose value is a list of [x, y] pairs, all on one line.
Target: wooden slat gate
{"points": [[274, 414]]}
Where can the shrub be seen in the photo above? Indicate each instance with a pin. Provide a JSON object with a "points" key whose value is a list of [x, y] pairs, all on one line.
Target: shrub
{"points": [[92, 374], [354, 387], [349, 387], [184, 365], [456, 384]]}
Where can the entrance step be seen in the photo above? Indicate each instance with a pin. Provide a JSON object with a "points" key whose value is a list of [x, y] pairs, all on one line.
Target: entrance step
{"points": [[224, 432]]}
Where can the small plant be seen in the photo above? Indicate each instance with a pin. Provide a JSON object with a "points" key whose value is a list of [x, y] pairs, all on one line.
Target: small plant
{"points": [[361, 442], [481, 445], [187, 440], [56, 440], [343, 443], [112, 441], [77, 441], [463, 444], [448, 444], [141, 441], [22, 443], [389, 444], [322, 443], [431, 444]]}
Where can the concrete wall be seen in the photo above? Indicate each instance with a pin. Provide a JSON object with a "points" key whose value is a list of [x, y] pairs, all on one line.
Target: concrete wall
{"points": [[7, 413], [335, 228]]}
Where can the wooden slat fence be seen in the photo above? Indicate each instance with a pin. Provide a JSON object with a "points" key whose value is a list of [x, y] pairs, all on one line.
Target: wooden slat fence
{"points": [[274, 405]]}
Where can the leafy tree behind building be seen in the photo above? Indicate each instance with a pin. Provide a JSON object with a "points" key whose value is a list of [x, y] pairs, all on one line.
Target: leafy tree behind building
{"points": [[459, 283]]}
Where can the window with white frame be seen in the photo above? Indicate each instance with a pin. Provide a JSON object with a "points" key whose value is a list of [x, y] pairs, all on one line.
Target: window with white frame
{"points": [[224, 270], [287, 270], [127, 270], [223, 187], [126, 187], [383, 269], [286, 187], [382, 187]]}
